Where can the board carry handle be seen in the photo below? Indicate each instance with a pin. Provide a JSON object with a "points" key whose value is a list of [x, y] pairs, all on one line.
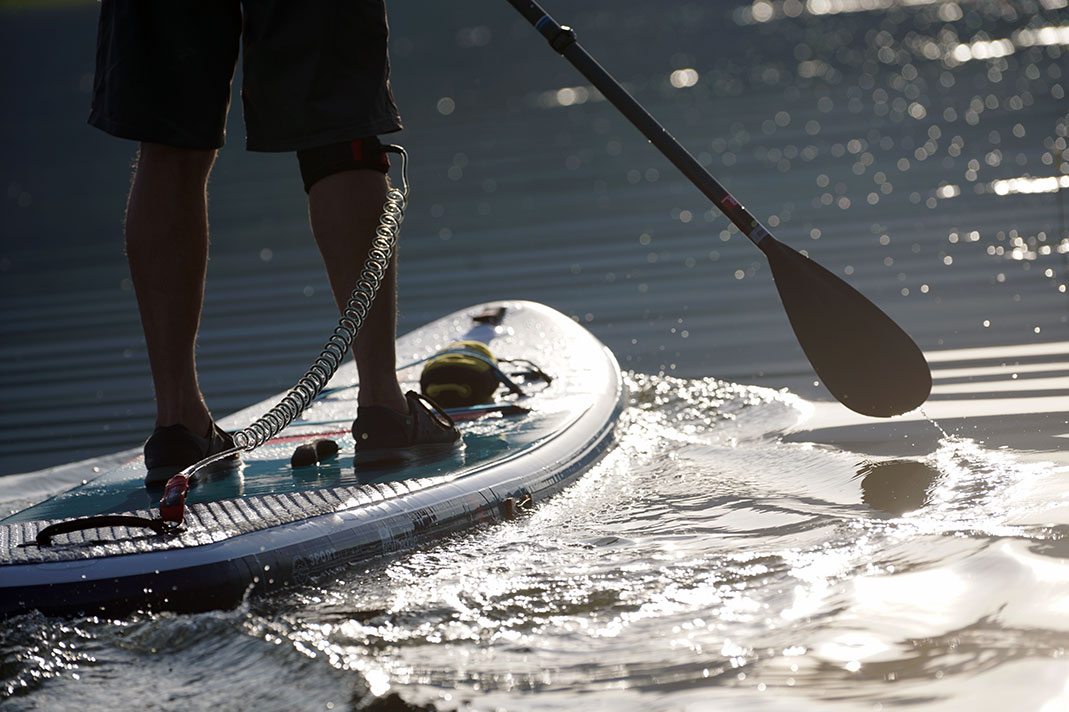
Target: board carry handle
{"points": [[44, 537]]}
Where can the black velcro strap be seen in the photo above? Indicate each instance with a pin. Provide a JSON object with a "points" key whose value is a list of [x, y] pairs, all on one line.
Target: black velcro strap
{"points": [[362, 153]]}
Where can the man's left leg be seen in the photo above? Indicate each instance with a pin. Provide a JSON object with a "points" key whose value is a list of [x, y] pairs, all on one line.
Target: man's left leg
{"points": [[167, 249]]}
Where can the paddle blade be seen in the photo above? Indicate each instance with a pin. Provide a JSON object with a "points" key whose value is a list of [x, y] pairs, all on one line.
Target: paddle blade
{"points": [[867, 362]]}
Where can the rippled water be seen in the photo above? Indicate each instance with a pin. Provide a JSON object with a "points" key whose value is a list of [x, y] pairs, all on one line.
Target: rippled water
{"points": [[717, 556], [703, 562], [810, 120]]}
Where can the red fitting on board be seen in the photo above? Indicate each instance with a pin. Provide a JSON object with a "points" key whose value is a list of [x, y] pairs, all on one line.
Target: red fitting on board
{"points": [[173, 502]]}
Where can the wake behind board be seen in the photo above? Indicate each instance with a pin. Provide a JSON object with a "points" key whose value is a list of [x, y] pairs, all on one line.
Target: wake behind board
{"points": [[269, 525]]}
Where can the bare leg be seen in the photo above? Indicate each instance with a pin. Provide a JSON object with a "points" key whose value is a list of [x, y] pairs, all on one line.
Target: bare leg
{"points": [[344, 209], [167, 249]]}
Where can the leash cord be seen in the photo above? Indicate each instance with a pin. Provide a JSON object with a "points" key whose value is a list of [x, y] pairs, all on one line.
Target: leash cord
{"points": [[302, 395], [311, 384]]}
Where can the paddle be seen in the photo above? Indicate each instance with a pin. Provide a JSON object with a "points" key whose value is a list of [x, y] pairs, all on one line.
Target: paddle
{"points": [[867, 362]]}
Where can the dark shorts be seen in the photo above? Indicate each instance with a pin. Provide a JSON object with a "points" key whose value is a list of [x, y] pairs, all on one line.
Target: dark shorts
{"points": [[316, 72]]}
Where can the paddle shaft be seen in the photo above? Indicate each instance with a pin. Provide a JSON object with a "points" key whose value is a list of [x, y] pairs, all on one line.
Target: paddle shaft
{"points": [[867, 362], [562, 39]]}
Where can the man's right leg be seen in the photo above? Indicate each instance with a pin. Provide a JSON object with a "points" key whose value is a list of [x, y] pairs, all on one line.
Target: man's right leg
{"points": [[345, 200], [167, 249], [344, 210]]}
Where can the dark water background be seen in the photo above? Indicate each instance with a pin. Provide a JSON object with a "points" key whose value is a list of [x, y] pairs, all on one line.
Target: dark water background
{"points": [[707, 562], [565, 205]]}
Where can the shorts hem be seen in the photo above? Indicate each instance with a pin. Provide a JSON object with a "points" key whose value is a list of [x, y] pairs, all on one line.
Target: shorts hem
{"points": [[323, 138], [126, 131]]}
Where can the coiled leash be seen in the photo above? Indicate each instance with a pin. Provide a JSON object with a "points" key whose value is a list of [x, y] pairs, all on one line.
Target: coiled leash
{"points": [[302, 395], [312, 383]]}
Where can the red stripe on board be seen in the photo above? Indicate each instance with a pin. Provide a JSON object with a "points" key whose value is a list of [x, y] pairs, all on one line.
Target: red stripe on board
{"points": [[305, 436]]}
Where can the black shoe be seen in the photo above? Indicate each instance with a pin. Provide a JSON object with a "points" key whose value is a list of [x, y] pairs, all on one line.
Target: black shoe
{"points": [[173, 448], [384, 435]]}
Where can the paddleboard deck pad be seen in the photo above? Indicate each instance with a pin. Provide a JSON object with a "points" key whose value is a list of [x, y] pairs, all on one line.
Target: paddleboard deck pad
{"points": [[268, 525]]}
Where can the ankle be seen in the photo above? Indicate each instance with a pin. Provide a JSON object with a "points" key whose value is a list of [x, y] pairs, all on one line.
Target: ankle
{"points": [[400, 407], [391, 398], [200, 424]]}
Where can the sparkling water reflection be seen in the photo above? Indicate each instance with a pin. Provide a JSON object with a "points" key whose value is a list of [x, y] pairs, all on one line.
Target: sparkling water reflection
{"points": [[918, 148], [701, 554]]}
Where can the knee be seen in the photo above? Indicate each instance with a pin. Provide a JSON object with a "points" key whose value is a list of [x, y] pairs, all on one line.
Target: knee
{"points": [[185, 163]]}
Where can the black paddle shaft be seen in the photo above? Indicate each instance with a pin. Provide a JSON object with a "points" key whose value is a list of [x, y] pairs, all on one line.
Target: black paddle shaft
{"points": [[562, 39], [866, 360]]}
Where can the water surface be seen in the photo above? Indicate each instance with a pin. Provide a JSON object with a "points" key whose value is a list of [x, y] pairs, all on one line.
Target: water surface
{"points": [[743, 545]]}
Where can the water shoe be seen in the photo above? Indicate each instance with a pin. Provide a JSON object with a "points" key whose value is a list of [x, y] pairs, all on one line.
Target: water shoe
{"points": [[384, 435], [173, 448]]}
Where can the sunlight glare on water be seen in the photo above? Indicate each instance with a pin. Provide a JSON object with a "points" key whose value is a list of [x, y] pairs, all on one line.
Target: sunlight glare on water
{"points": [[701, 554], [673, 564], [916, 147]]}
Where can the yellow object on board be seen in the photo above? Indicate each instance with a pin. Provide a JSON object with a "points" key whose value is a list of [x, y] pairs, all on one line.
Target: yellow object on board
{"points": [[463, 374]]}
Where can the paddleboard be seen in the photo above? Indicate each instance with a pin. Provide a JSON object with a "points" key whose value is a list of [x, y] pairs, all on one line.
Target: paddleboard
{"points": [[269, 525]]}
